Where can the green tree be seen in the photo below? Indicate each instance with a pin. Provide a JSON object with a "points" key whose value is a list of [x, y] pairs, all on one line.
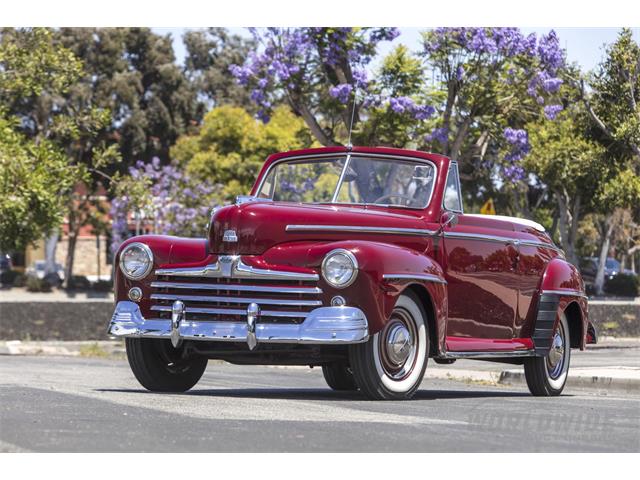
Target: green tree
{"points": [[132, 73], [210, 53], [34, 179], [231, 146], [54, 108], [610, 98], [570, 167], [35, 176]]}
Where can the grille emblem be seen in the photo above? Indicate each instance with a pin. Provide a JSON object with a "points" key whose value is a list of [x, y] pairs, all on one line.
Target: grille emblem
{"points": [[230, 236]]}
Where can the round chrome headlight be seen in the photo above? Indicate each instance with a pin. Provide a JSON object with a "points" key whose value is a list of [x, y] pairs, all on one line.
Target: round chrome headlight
{"points": [[136, 261], [340, 268]]}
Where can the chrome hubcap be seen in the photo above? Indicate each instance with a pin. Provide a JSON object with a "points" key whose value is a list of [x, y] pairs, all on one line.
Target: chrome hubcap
{"points": [[555, 358], [397, 345]]}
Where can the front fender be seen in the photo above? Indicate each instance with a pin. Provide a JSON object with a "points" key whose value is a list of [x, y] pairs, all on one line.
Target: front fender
{"points": [[167, 251], [385, 271]]}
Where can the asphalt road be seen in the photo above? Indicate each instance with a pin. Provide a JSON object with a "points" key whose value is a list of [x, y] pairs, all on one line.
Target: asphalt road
{"points": [[58, 404]]}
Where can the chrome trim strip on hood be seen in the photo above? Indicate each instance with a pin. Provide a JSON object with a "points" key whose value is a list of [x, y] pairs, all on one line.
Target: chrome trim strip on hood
{"points": [[360, 229]]}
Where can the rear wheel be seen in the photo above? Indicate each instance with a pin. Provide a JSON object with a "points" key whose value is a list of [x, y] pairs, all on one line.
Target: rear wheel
{"points": [[160, 367], [339, 377], [391, 364], [546, 376]]}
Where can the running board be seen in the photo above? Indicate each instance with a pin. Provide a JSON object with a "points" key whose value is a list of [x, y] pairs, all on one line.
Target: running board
{"points": [[490, 354]]}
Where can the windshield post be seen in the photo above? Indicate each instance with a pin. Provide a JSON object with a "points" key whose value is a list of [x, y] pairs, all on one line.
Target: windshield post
{"points": [[334, 199]]}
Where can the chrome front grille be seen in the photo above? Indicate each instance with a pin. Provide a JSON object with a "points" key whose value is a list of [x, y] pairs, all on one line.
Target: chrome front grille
{"points": [[222, 292]]}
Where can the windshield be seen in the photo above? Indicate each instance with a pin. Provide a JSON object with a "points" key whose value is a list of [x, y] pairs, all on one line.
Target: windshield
{"points": [[352, 179]]}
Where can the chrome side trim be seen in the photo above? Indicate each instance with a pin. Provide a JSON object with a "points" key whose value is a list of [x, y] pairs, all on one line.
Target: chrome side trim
{"points": [[243, 300], [490, 354], [479, 236], [360, 229], [324, 325], [231, 266], [232, 311], [568, 293], [237, 288], [425, 277], [501, 239]]}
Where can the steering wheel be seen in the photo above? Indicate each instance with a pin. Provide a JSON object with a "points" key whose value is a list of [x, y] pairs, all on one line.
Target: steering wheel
{"points": [[398, 195]]}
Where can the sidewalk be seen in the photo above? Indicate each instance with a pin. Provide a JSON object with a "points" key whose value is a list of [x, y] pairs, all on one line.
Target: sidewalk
{"points": [[612, 365]]}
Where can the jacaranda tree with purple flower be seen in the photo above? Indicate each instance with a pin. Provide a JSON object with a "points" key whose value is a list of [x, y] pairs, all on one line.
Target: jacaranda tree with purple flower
{"points": [[317, 72], [160, 199], [464, 95], [491, 83]]}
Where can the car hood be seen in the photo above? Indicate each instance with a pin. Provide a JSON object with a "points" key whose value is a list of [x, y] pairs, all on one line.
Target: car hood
{"points": [[257, 226]]}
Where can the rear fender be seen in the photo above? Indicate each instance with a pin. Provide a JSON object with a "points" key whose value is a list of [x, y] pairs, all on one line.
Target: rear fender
{"points": [[561, 290]]}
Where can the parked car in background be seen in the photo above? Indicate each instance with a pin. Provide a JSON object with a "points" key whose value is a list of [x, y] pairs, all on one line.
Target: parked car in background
{"points": [[361, 261], [612, 267], [38, 269], [5, 262]]}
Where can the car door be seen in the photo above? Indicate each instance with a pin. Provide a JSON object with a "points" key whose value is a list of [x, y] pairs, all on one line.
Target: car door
{"points": [[481, 262]]}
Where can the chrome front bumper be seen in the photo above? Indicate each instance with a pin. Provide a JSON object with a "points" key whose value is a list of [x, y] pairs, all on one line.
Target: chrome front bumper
{"points": [[324, 325]]}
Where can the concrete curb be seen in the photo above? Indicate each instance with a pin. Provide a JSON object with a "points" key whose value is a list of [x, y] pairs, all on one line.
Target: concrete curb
{"points": [[604, 378], [104, 349]]}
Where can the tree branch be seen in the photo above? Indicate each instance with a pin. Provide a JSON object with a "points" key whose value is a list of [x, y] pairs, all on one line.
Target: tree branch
{"points": [[311, 121]]}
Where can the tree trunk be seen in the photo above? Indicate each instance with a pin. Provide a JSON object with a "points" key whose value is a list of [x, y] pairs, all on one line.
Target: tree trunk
{"points": [[50, 244], [71, 253], [568, 224], [604, 252]]}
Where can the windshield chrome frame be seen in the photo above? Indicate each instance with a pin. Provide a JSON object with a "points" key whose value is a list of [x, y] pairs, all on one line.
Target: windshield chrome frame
{"points": [[348, 156]]}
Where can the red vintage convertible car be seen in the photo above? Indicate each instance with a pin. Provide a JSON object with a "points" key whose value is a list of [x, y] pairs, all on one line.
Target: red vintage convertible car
{"points": [[358, 260]]}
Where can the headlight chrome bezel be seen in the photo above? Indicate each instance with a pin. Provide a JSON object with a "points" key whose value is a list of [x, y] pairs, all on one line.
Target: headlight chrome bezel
{"points": [[145, 248], [352, 258]]}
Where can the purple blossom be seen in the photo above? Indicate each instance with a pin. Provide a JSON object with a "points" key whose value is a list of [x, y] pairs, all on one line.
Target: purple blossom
{"points": [[552, 111], [288, 59], [407, 105], [175, 206], [341, 92], [519, 142], [440, 135]]}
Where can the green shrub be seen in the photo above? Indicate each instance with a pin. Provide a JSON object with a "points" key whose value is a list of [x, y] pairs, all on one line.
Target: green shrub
{"points": [[79, 282], [8, 276], [623, 285], [20, 280], [35, 284]]}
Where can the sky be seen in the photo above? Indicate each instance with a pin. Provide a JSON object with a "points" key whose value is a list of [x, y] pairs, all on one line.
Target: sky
{"points": [[583, 45]]}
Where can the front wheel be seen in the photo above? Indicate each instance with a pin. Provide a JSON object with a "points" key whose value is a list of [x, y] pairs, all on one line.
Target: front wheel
{"points": [[391, 364], [546, 376], [160, 367], [339, 377]]}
